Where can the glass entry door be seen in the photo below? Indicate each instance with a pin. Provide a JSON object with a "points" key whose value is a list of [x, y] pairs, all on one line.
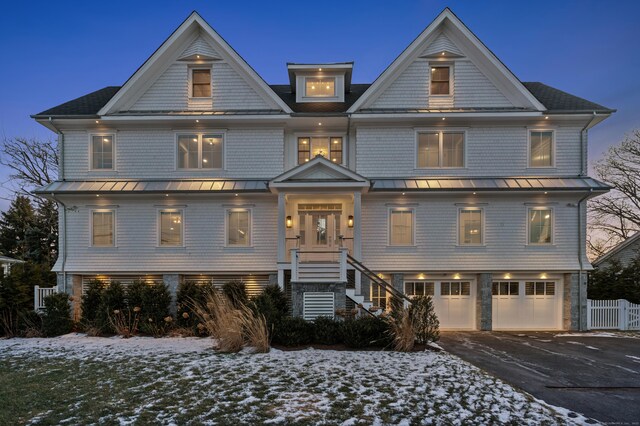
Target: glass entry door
{"points": [[319, 229]]}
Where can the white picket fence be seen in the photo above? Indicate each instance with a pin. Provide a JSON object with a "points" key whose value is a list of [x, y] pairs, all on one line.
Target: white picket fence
{"points": [[39, 293], [612, 315]]}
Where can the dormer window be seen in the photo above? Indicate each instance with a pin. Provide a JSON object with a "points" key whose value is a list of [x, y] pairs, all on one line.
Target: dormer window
{"points": [[440, 80], [320, 87], [328, 147], [201, 83]]}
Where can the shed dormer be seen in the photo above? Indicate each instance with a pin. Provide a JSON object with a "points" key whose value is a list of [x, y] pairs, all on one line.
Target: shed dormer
{"points": [[320, 82]]}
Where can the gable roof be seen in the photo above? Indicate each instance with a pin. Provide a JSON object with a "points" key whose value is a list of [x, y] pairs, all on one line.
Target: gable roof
{"points": [[635, 238], [319, 172], [511, 87], [136, 83]]}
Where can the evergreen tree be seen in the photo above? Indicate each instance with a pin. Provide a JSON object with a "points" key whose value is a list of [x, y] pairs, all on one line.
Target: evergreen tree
{"points": [[15, 225]]}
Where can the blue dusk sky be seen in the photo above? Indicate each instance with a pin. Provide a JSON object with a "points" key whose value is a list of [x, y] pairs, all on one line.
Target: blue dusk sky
{"points": [[54, 51]]}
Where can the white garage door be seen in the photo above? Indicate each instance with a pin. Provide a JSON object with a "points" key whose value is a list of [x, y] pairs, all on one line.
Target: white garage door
{"points": [[454, 301], [526, 305]]}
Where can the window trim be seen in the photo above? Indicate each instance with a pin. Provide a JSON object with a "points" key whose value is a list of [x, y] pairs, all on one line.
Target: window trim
{"points": [[226, 227], [441, 132], [159, 227], [413, 225], [196, 68], [483, 228], [309, 135], [91, 234], [553, 147], [113, 151], [442, 65], [553, 225], [200, 134], [329, 77], [414, 282]]}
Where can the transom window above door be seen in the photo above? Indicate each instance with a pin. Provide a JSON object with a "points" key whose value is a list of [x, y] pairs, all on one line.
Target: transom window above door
{"points": [[329, 147], [200, 151], [440, 149]]}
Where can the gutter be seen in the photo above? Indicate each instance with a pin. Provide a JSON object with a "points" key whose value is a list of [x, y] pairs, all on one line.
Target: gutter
{"points": [[583, 147], [581, 248], [64, 239]]}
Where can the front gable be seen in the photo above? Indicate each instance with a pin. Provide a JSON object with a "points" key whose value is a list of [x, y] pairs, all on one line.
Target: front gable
{"points": [[478, 80], [319, 172], [162, 83]]}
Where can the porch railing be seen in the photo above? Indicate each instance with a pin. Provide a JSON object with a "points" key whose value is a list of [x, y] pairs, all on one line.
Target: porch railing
{"points": [[39, 293], [319, 266]]}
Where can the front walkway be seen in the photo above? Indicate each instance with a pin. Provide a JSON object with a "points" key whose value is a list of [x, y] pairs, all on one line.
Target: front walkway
{"points": [[597, 374]]}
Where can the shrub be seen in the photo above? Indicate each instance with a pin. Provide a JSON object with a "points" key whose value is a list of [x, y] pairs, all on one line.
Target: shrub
{"points": [[272, 304], [366, 331], [30, 324], [402, 330], [614, 281], [327, 331], [255, 331], [113, 299], [426, 325], [277, 296], [57, 315], [236, 292], [91, 301], [135, 294], [293, 332], [222, 321], [189, 294], [155, 316]]}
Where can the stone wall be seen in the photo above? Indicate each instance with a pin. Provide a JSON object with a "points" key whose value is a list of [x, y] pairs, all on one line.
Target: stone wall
{"points": [[298, 289]]}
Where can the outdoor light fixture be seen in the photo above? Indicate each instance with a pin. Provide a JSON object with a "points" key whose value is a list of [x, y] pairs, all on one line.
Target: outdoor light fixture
{"points": [[289, 222], [350, 221]]}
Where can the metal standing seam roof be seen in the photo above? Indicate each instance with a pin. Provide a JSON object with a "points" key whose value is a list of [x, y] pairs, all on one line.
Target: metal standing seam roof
{"points": [[489, 184], [154, 186]]}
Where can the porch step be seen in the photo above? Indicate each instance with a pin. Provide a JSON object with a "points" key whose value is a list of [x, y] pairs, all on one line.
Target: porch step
{"points": [[358, 298]]}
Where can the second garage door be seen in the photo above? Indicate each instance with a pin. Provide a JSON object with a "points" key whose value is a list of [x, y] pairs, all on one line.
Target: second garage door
{"points": [[454, 301], [526, 305]]}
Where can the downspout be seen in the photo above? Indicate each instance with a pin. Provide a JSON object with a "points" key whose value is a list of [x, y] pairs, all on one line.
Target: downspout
{"points": [[583, 148], [581, 247], [64, 207]]}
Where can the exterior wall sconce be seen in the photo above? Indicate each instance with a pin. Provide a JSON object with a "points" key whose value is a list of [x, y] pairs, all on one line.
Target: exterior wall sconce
{"points": [[289, 222], [350, 221]]}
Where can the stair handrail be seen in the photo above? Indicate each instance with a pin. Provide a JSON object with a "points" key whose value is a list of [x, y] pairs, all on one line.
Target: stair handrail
{"points": [[375, 278]]}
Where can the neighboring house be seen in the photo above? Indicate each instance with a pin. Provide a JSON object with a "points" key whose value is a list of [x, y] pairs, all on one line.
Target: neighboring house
{"points": [[7, 263], [447, 176], [624, 253]]}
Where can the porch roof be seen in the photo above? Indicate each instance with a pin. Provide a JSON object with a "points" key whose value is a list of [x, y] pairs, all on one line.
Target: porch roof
{"points": [[490, 184]]}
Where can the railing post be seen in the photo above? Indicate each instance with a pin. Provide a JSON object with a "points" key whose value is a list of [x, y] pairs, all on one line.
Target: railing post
{"points": [[622, 314], [294, 264], [35, 297], [589, 313], [343, 264]]}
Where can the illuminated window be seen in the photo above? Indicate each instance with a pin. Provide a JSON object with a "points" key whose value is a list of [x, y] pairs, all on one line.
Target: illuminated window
{"points": [[540, 226], [418, 288], [541, 148], [102, 228], [201, 83], [401, 227], [319, 87], [378, 296], [102, 152], [171, 228], [440, 80], [329, 147], [440, 149], [200, 151], [238, 227], [470, 221]]}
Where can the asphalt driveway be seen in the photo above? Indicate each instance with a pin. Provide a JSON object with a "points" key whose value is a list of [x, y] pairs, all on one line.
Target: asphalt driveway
{"points": [[595, 375]]}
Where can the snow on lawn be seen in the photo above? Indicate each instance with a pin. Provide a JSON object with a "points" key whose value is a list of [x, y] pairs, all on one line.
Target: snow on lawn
{"points": [[75, 379]]}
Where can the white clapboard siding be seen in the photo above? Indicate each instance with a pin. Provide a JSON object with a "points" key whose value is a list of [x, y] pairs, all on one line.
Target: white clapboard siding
{"points": [[199, 47], [204, 248], [409, 90], [436, 245], [151, 154], [490, 151], [472, 89], [318, 304], [440, 44]]}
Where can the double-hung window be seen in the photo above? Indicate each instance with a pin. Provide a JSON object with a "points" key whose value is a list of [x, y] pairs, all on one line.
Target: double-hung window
{"points": [[401, 226], [329, 147], [171, 228], [201, 83], [471, 224], [102, 228], [102, 152], [200, 151], [440, 80], [541, 148], [239, 227], [540, 225], [440, 149]]}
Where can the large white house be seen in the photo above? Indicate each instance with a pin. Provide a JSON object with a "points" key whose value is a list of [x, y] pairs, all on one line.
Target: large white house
{"points": [[446, 176]]}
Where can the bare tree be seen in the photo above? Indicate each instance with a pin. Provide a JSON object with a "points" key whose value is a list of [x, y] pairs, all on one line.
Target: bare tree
{"points": [[615, 216]]}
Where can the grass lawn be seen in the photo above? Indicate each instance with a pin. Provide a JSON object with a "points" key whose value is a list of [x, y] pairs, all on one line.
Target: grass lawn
{"points": [[76, 379]]}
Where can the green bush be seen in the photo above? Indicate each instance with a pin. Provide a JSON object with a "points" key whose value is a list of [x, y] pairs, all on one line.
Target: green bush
{"points": [[615, 282], [30, 324], [155, 318], [57, 315], [327, 331], [272, 304], [365, 332], [293, 332], [236, 291], [135, 294], [113, 299], [279, 299], [425, 322], [91, 301], [190, 293]]}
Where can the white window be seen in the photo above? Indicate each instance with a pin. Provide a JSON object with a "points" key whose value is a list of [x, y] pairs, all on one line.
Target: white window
{"points": [[455, 288], [102, 228], [239, 227], [320, 87], [102, 152], [540, 288], [440, 83], [440, 149], [505, 288], [171, 228], [401, 223], [378, 296], [201, 83], [329, 147], [541, 148], [471, 226], [200, 151], [418, 288], [540, 226]]}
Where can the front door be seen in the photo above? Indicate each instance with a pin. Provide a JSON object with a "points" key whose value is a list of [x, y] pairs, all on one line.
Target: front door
{"points": [[319, 227]]}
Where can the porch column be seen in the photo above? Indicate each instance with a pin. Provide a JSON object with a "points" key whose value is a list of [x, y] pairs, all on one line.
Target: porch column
{"points": [[282, 232], [357, 236]]}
